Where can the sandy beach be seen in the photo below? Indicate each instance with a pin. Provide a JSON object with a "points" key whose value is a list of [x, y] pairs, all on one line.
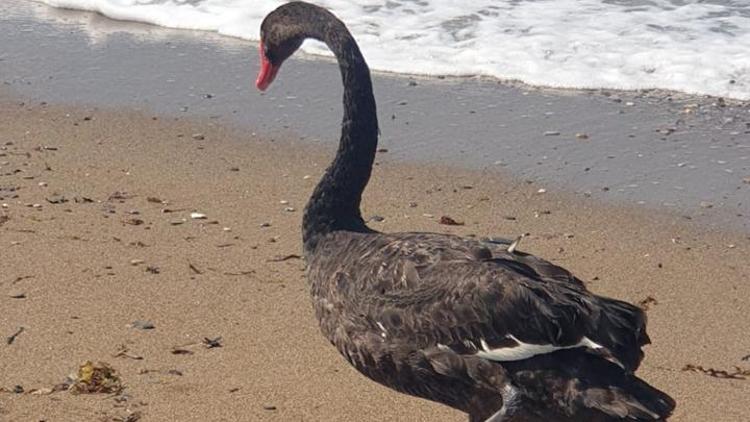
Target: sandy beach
{"points": [[151, 220], [97, 234]]}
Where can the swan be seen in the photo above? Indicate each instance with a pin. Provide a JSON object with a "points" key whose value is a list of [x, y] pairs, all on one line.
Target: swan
{"points": [[478, 326]]}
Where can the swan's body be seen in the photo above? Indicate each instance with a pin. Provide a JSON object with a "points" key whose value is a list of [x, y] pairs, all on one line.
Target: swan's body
{"points": [[496, 333]]}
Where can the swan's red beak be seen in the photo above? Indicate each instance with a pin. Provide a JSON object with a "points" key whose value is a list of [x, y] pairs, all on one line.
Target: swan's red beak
{"points": [[267, 70]]}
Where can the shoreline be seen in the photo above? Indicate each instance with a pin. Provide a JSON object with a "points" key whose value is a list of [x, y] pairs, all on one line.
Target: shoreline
{"points": [[655, 149], [534, 72], [657, 93]]}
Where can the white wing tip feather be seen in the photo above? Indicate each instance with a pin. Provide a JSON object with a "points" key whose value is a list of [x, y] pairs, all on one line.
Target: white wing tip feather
{"points": [[526, 350]]}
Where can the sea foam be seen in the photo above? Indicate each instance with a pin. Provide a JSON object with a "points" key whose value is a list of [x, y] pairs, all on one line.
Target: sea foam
{"points": [[700, 47]]}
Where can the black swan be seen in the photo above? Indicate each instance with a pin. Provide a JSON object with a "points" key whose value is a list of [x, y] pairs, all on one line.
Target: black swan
{"points": [[478, 326]]}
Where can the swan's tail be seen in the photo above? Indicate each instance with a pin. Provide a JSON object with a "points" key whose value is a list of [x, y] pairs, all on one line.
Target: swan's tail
{"points": [[574, 385], [633, 399]]}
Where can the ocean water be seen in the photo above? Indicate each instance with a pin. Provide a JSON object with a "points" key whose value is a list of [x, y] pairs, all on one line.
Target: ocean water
{"points": [[693, 46]]}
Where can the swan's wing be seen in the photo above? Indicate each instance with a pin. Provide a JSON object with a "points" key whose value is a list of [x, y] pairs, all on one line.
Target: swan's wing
{"points": [[434, 290]]}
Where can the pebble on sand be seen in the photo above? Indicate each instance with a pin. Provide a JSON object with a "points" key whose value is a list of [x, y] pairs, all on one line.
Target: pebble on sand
{"points": [[197, 216], [448, 221], [142, 325]]}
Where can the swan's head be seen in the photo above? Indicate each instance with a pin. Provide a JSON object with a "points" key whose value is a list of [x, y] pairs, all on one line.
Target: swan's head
{"points": [[281, 34]]}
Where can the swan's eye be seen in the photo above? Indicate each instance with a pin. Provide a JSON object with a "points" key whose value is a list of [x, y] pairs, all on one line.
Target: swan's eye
{"points": [[268, 53]]}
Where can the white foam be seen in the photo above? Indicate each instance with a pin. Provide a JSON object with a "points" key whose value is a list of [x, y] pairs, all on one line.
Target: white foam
{"points": [[694, 46]]}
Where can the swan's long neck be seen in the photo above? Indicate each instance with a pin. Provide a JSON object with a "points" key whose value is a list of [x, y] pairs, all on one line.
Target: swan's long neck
{"points": [[334, 204]]}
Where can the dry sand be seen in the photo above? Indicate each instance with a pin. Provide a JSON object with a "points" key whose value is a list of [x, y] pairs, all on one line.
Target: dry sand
{"points": [[75, 274]]}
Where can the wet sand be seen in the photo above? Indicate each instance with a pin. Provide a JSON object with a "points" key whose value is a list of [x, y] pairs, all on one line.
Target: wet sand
{"points": [[96, 234]]}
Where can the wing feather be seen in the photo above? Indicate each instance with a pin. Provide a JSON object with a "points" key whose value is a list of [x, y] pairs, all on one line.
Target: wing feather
{"points": [[472, 297]]}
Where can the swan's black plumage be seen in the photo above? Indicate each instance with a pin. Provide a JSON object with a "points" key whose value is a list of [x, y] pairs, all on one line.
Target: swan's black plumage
{"points": [[496, 333]]}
